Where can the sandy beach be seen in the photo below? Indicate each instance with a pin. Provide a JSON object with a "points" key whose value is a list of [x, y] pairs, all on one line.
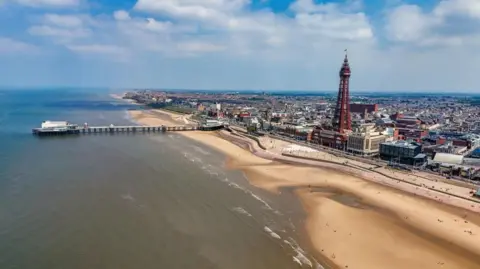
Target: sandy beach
{"points": [[160, 117], [117, 96], [354, 222]]}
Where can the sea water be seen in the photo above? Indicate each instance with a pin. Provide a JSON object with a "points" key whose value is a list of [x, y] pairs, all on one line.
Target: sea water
{"points": [[126, 201]]}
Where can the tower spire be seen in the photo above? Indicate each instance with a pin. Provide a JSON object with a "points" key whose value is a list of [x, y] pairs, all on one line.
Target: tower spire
{"points": [[342, 119]]}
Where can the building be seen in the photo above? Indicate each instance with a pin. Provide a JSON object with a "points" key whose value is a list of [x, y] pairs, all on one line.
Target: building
{"points": [[402, 152], [407, 121], [447, 158], [54, 124], [329, 138], [336, 136], [362, 108], [449, 147], [321, 106], [252, 122], [279, 114], [411, 134], [365, 141]]}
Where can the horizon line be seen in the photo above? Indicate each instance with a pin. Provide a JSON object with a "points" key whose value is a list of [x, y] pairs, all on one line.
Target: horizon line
{"points": [[108, 88]]}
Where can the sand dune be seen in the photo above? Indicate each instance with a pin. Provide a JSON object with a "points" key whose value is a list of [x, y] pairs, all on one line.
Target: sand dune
{"points": [[356, 223]]}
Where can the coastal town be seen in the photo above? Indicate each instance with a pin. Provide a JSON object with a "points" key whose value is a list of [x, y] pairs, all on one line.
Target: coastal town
{"points": [[433, 133], [333, 157], [240, 134], [364, 165]]}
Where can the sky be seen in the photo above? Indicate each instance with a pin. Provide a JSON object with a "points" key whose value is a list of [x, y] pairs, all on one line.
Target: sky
{"points": [[393, 45]]}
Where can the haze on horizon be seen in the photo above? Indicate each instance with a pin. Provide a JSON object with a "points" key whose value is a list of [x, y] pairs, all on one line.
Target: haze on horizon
{"points": [[241, 44]]}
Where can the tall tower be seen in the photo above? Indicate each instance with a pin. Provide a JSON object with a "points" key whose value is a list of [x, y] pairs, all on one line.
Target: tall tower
{"points": [[342, 119]]}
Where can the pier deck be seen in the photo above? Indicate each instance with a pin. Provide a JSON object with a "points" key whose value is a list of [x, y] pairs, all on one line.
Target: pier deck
{"points": [[122, 129]]}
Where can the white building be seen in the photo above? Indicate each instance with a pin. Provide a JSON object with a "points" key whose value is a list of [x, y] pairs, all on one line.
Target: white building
{"points": [[365, 141], [54, 124]]}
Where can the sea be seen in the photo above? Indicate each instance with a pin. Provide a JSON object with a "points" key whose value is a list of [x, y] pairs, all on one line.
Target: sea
{"points": [[130, 201]]}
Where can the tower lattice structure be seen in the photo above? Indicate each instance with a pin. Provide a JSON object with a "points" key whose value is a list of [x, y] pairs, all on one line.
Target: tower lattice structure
{"points": [[342, 119]]}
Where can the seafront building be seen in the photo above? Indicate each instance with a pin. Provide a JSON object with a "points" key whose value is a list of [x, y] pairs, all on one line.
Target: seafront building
{"points": [[366, 140], [402, 152]]}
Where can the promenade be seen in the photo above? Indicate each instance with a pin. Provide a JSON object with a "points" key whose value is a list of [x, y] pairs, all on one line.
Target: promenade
{"points": [[431, 188]]}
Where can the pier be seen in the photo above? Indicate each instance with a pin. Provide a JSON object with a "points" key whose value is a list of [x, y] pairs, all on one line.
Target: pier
{"points": [[133, 129], [121, 129]]}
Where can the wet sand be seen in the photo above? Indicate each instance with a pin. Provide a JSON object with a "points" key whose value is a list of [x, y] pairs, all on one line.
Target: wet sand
{"points": [[355, 223]]}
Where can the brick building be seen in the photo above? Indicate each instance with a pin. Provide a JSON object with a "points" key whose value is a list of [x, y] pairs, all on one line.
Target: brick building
{"points": [[361, 108]]}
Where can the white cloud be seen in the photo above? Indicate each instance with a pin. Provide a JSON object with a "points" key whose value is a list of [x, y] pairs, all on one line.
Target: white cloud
{"points": [[63, 28], [155, 26], [336, 26], [451, 22], [238, 30], [192, 9], [332, 21], [97, 49], [69, 21], [470, 8], [199, 47], [8, 45], [121, 15], [45, 30], [309, 6], [407, 23], [48, 3]]}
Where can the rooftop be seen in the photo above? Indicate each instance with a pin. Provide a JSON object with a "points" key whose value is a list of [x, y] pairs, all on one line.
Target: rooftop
{"points": [[401, 143]]}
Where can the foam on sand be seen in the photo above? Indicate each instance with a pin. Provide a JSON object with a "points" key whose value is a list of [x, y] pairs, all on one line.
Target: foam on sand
{"points": [[242, 211], [271, 233]]}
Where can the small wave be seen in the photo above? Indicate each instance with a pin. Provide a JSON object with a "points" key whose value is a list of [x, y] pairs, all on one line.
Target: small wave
{"points": [[192, 158], [199, 160], [212, 173], [126, 116], [295, 259], [235, 185], [260, 200], [271, 233], [128, 197], [202, 151], [300, 254], [256, 197], [241, 211], [230, 183]]}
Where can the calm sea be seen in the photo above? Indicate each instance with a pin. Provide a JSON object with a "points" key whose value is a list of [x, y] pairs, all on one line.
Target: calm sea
{"points": [[127, 201]]}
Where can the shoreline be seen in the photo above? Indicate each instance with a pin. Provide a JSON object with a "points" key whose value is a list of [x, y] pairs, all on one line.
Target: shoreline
{"points": [[422, 234], [117, 96]]}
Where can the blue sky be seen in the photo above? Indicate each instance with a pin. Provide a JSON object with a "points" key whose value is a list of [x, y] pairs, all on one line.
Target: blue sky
{"points": [[393, 45]]}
